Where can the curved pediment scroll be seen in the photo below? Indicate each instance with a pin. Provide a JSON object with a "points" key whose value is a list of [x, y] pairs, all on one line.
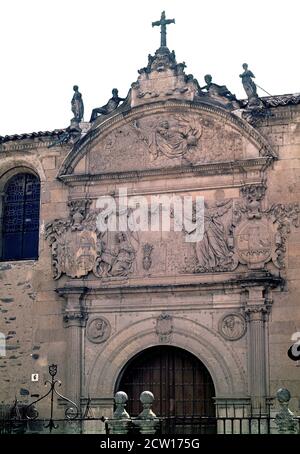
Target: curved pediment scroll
{"points": [[164, 136]]}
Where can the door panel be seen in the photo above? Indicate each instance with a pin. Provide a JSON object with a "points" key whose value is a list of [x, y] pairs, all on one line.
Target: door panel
{"points": [[181, 384]]}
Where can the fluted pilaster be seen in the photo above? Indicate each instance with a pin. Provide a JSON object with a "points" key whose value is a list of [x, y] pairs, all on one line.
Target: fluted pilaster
{"points": [[74, 321], [256, 312]]}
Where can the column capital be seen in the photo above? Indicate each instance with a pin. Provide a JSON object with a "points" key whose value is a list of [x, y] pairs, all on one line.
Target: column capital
{"points": [[258, 303], [75, 318], [257, 312]]}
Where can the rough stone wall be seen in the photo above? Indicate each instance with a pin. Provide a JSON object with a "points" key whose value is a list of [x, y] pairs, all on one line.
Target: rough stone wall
{"points": [[30, 308], [283, 131]]}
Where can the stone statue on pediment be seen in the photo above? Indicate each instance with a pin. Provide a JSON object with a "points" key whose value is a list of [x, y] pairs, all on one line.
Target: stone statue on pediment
{"points": [[218, 94], [215, 89], [249, 86], [147, 69], [109, 107], [77, 106]]}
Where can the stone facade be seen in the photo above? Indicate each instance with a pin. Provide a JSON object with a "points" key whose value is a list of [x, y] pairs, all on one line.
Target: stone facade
{"points": [[93, 300]]}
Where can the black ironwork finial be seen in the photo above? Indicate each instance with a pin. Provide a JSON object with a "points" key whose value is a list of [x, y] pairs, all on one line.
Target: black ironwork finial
{"points": [[163, 22], [71, 412]]}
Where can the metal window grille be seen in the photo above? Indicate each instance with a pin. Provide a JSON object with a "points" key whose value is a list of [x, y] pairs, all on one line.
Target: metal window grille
{"points": [[20, 229]]}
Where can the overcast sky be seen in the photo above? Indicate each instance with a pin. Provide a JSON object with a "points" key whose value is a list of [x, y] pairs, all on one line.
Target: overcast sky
{"points": [[48, 46]]}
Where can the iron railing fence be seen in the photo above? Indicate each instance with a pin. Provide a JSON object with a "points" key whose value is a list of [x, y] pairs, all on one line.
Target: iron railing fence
{"points": [[230, 417], [181, 425], [41, 426]]}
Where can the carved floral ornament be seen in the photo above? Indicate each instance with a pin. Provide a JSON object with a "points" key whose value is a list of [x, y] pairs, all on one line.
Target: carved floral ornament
{"points": [[235, 232]]}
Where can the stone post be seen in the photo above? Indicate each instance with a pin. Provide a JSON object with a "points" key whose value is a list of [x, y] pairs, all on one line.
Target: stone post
{"points": [[74, 321], [285, 419], [256, 311], [120, 422], [147, 420]]}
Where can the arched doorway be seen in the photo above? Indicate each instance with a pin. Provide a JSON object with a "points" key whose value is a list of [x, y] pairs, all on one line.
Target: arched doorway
{"points": [[181, 384]]}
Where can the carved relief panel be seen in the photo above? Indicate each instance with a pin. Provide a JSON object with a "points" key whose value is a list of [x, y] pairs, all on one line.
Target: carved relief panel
{"points": [[168, 139], [232, 326], [235, 231], [78, 247], [98, 330], [241, 231]]}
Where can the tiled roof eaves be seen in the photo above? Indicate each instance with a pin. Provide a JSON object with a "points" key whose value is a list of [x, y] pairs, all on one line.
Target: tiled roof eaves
{"points": [[277, 101], [32, 135], [282, 100]]}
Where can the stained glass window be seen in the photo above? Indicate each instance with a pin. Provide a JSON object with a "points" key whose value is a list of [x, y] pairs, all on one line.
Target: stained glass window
{"points": [[20, 228]]}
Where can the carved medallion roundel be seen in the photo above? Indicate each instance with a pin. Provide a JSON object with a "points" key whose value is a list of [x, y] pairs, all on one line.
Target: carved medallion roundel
{"points": [[98, 330], [232, 326]]}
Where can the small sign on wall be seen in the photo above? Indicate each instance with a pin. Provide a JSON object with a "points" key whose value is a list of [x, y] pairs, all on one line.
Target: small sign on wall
{"points": [[34, 377]]}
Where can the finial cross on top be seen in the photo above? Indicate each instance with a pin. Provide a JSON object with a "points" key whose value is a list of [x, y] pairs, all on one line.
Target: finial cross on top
{"points": [[163, 22]]}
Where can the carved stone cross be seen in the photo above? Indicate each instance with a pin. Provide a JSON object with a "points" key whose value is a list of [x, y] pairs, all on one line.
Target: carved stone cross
{"points": [[163, 22]]}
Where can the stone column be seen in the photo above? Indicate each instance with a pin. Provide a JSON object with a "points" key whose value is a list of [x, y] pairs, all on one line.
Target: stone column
{"points": [[75, 318], [256, 311]]}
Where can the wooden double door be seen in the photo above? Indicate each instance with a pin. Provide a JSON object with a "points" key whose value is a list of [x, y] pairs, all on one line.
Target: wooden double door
{"points": [[181, 384]]}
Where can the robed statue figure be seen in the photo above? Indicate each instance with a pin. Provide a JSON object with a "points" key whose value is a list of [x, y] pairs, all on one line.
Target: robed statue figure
{"points": [[77, 106]]}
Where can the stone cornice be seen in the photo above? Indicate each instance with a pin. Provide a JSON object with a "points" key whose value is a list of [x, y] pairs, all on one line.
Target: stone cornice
{"points": [[33, 145], [186, 283], [122, 118], [215, 168]]}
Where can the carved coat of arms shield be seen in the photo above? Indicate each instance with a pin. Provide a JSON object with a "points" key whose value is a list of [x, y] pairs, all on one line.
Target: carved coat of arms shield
{"points": [[255, 242], [77, 252]]}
